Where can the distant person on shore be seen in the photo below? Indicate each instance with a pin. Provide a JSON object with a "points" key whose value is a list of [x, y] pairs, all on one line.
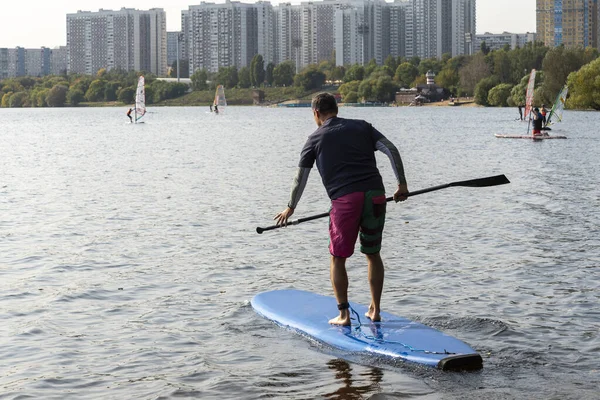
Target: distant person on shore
{"points": [[520, 112], [129, 115], [344, 151]]}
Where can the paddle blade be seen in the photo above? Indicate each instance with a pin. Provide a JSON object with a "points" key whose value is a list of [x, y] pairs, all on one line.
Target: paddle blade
{"points": [[483, 182]]}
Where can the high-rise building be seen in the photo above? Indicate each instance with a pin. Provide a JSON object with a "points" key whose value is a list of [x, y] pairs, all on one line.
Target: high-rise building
{"points": [[437, 27], [573, 23], [174, 43], [397, 27], [127, 39], [29, 62], [36, 62], [288, 34], [221, 35], [58, 60], [4, 62], [265, 21]]}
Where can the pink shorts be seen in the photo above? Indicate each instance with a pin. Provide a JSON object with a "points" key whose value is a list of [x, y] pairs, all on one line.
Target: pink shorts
{"points": [[362, 212]]}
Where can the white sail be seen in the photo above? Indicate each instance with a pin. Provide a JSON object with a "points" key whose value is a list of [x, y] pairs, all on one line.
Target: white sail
{"points": [[529, 94], [140, 99], [556, 114], [220, 97]]}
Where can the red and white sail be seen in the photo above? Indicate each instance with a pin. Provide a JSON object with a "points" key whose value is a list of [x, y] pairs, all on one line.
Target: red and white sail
{"points": [[529, 94]]}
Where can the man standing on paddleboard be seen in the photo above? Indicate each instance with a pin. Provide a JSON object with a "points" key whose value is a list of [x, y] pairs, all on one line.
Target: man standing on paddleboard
{"points": [[344, 150]]}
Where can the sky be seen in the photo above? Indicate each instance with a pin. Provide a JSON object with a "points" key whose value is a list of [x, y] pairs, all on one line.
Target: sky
{"points": [[37, 23]]}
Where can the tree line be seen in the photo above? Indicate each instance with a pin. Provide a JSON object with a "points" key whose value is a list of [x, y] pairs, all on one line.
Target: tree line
{"points": [[74, 89], [493, 78]]}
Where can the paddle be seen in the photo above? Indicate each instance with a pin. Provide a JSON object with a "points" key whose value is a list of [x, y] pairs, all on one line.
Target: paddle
{"points": [[481, 182]]}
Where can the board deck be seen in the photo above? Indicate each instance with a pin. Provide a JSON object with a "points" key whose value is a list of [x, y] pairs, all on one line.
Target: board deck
{"points": [[394, 337], [538, 137]]}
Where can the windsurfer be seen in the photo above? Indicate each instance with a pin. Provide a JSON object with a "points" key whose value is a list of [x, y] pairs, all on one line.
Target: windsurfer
{"points": [[216, 109], [520, 112], [129, 114], [537, 121], [543, 111]]}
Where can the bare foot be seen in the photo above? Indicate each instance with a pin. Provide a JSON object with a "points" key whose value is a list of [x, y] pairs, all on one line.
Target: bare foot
{"points": [[373, 315], [341, 320]]}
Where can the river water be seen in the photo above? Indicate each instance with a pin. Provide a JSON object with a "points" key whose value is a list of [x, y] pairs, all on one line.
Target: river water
{"points": [[128, 255]]}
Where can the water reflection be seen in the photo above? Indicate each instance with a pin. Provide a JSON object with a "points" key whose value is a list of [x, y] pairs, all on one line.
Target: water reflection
{"points": [[353, 387]]}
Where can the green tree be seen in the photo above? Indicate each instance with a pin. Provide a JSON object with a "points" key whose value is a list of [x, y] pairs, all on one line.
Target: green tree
{"points": [[244, 81], [391, 63], [57, 96], [584, 87], [482, 90], [269, 73], [310, 78], [449, 79], [337, 73], [283, 74], [110, 90], [405, 74], [347, 88], [558, 63], [355, 73], [40, 97], [76, 96], [351, 97], [502, 66], [370, 67], [19, 99], [6, 99], [498, 96], [227, 76], [257, 70], [96, 91], [472, 73], [199, 78], [484, 48]]}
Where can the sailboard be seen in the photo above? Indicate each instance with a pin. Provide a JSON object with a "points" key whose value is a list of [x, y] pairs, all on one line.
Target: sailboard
{"points": [[556, 113], [394, 338], [528, 108], [140, 100], [532, 137], [220, 102]]}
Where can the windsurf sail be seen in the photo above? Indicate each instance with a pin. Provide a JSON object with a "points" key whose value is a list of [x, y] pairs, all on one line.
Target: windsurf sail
{"points": [[529, 94], [556, 114], [140, 99], [220, 100]]}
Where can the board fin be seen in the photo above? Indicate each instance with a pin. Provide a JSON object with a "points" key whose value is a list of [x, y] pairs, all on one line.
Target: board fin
{"points": [[461, 362]]}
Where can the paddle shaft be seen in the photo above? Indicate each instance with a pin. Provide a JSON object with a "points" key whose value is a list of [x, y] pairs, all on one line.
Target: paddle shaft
{"points": [[481, 182]]}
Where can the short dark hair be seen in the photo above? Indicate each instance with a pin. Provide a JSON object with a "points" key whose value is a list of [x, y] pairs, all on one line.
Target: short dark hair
{"points": [[325, 103]]}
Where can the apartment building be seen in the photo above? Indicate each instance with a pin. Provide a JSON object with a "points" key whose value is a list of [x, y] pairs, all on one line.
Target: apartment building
{"points": [[346, 31], [25, 62], [497, 41], [126, 39], [221, 35], [173, 46], [573, 23]]}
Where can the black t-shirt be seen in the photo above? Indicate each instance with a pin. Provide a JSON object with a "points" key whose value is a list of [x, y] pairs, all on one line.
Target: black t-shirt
{"points": [[344, 150]]}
